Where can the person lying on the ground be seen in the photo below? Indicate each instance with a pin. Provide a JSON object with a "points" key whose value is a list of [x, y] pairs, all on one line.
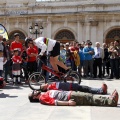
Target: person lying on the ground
{"points": [[2, 83], [74, 87], [72, 98]]}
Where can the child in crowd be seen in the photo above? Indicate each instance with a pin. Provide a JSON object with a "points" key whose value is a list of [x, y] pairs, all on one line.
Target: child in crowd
{"points": [[24, 57], [16, 59]]}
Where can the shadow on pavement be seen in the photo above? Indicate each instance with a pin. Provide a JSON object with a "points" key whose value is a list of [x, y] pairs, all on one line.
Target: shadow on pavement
{"points": [[2, 95], [12, 87]]}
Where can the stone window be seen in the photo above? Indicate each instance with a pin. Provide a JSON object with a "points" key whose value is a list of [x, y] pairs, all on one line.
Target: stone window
{"points": [[22, 36], [114, 34], [65, 34]]}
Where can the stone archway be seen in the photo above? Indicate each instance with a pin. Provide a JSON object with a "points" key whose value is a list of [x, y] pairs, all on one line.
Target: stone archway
{"points": [[64, 36], [113, 35], [22, 36]]}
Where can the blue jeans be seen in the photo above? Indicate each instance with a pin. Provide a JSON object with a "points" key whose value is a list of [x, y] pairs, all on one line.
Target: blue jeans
{"points": [[81, 66], [87, 89]]}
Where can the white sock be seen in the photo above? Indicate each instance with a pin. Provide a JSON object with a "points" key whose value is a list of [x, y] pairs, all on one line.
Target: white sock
{"points": [[18, 79], [14, 79]]}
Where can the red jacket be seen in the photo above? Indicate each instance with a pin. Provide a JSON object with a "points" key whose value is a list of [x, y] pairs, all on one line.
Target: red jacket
{"points": [[17, 45], [50, 97], [16, 59], [29, 51]]}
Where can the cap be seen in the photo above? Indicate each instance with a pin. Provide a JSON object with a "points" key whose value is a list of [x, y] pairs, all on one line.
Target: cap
{"points": [[67, 44], [15, 50], [16, 34]]}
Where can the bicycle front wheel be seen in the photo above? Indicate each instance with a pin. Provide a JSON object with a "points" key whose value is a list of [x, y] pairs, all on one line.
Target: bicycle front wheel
{"points": [[35, 80], [74, 77]]}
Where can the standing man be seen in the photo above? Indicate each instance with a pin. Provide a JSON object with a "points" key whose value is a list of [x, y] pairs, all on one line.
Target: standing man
{"points": [[82, 59], [114, 51], [16, 44], [7, 67], [98, 57], [88, 52], [106, 60]]}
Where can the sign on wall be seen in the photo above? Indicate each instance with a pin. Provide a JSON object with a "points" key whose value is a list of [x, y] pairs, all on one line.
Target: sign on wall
{"points": [[3, 32]]}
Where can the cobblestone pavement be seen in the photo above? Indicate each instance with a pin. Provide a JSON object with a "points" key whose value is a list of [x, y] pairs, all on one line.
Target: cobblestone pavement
{"points": [[14, 105]]}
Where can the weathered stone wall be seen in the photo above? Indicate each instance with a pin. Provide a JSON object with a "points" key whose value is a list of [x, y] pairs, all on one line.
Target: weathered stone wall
{"points": [[86, 19]]}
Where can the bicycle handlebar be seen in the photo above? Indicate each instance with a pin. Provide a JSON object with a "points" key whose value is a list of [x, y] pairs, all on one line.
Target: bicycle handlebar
{"points": [[47, 55]]}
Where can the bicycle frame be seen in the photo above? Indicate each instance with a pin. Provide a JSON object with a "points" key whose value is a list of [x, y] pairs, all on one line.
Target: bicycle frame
{"points": [[50, 70]]}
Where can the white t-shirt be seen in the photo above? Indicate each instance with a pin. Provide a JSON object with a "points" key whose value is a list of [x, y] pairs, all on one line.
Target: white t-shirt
{"points": [[39, 42]]}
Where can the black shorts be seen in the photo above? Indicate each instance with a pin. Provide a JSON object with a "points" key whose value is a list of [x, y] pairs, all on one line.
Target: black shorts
{"points": [[56, 50]]}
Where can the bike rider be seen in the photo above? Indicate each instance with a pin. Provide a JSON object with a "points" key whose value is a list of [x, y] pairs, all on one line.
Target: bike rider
{"points": [[52, 46]]}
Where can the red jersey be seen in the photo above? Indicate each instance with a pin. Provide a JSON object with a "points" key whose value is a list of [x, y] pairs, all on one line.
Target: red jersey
{"points": [[50, 97], [16, 59], [35, 47], [53, 86], [29, 51], [15, 45]]}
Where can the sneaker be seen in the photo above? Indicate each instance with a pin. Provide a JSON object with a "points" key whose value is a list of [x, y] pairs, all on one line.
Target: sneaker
{"points": [[115, 97], [14, 83], [104, 88], [19, 83], [6, 81]]}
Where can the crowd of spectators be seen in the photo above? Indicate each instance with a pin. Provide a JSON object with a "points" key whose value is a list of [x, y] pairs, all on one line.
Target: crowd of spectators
{"points": [[91, 62]]}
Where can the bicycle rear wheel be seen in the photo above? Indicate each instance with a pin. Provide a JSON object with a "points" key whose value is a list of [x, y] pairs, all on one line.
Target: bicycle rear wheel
{"points": [[35, 80], [74, 77]]}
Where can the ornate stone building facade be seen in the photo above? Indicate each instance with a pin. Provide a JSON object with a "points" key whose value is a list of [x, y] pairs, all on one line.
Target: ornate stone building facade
{"points": [[66, 20]]}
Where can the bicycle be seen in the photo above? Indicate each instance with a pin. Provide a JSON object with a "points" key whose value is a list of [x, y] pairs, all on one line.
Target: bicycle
{"points": [[37, 78]]}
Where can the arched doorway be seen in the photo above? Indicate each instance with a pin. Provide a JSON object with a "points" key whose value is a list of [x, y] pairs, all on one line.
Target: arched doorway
{"points": [[113, 35], [65, 36], [22, 36]]}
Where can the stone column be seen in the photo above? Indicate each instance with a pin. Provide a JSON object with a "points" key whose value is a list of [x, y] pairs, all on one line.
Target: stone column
{"points": [[29, 23], [7, 24], [93, 35], [87, 31], [49, 28], [79, 32], [100, 32], [94, 32]]}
